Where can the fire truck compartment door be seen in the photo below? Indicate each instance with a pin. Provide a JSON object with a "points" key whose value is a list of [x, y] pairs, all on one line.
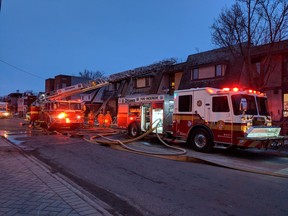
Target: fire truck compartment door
{"points": [[122, 115], [145, 117]]}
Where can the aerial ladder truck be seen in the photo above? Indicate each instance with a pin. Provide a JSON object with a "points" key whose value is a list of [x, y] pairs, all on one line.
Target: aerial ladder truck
{"points": [[52, 111]]}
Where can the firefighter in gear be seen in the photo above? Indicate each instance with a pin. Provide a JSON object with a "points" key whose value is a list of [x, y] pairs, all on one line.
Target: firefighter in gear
{"points": [[34, 115], [91, 118], [100, 118], [108, 119]]}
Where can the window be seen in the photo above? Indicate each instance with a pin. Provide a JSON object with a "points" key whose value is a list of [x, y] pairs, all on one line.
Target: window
{"points": [[218, 70], [62, 105], [262, 106], [171, 83], [258, 67], [220, 104], [251, 104], [75, 106], [195, 74], [185, 103], [142, 82], [147, 81]]}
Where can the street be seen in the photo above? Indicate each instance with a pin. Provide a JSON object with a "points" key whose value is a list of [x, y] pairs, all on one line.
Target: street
{"points": [[135, 184]]}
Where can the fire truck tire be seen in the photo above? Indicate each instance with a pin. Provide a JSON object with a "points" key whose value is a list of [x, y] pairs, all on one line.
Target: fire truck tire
{"points": [[133, 130], [200, 140]]}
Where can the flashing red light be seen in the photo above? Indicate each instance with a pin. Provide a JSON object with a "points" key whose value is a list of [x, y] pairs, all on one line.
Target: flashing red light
{"points": [[226, 89], [235, 89], [255, 92], [131, 118]]}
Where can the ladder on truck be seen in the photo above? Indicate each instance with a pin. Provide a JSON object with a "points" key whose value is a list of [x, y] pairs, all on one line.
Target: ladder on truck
{"points": [[75, 89]]}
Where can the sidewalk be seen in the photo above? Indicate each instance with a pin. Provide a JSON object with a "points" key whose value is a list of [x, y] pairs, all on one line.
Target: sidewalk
{"points": [[29, 188]]}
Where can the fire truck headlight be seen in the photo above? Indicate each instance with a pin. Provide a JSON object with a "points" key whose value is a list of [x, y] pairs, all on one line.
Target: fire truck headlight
{"points": [[61, 115], [249, 124]]}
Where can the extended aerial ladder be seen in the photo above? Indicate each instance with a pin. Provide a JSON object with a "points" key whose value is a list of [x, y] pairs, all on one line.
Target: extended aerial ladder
{"points": [[72, 90]]}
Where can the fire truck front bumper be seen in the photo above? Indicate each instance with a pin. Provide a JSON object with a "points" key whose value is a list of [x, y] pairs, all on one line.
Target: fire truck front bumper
{"points": [[263, 137], [68, 121]]}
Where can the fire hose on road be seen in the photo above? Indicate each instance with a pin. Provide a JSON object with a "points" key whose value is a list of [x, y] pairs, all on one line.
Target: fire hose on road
{"points": [[109, 141]]}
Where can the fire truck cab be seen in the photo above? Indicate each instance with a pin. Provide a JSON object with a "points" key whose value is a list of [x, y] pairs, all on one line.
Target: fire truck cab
{"points": [[143, 112], [206, 117], [62, 113]]}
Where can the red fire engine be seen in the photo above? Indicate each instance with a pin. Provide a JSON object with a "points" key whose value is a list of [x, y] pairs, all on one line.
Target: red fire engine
{"points": [[62, 113], [141, 113], [55, 112], [205, 117]]}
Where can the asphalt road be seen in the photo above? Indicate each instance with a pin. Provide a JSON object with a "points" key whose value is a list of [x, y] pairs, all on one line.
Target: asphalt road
{"points": [[141, 185]]}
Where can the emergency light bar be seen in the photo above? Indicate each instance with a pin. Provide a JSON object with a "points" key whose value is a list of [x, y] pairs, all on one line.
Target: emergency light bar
{"points": [[236, 89]]}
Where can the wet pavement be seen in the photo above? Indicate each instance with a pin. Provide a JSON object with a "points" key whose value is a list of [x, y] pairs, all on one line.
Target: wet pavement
{"points": [[28, 187], [266, 162], [262, 161]]}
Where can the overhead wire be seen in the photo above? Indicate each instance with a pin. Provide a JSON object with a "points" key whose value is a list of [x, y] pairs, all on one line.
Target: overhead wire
{"points": [[19, 69]]}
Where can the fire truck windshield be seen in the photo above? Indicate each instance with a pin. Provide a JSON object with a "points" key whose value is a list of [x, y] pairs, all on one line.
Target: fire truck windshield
{"points": [[251, 105], [62, 105], [68, 106], [75, 106], [262, 106]]}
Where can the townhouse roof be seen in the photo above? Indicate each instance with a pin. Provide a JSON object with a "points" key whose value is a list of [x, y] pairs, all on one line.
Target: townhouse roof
{"points": [[140, 71]]}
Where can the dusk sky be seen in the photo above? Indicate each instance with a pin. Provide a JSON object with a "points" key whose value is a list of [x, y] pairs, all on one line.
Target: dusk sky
{"points": [[41, 39]]}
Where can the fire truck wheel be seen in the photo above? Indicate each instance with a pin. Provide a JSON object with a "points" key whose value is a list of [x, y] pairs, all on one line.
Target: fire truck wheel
{"points": [[133, 130], [200, 140]]}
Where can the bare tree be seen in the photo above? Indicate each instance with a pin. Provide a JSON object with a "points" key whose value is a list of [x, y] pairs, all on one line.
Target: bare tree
{"points": [[92, 75], [250, 23]]}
